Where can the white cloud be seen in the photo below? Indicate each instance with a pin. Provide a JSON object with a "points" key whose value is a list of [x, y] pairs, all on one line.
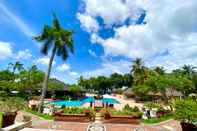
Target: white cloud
{"points": [[63, 68], [92, 53], [73, 73], [15, 20], [88, 22], [43, 61], [113, 11], [24, 54], [169, 28], [5, 50]]}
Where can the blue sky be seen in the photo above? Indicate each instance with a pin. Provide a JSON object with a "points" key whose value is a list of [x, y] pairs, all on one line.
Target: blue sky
{"points": [[107, 36]]}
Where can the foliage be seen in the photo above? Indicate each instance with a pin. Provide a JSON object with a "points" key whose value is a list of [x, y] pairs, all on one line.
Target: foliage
{"points": [[75, 89], [55, 84], [12, 104], [77, 110], [1, 118], [103, 85], [157, 120], [185, 110], [127, 110], [44, 116], [60, 41], [151, 105]]}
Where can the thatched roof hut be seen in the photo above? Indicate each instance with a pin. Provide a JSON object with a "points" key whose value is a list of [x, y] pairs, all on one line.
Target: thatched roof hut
{"points": [[172, 92], [129, 93]]}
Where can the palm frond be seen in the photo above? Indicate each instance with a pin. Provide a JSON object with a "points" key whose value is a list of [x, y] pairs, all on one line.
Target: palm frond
{"points": [[47, 32], [47, 45], [56, 23]]}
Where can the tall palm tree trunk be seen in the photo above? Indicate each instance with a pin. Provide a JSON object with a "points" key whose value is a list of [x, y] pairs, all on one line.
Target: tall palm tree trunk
{"points": [[46, 78]]}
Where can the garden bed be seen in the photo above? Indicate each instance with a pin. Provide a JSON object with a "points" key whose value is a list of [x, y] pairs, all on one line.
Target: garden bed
{"points": [[71, 117], [158, 120], [128, 115], [122, 119], [44, 116], [75, 114]]}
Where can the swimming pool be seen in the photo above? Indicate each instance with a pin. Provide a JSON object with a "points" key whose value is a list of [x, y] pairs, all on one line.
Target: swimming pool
{"points": [[83, 101], [73, 103]]}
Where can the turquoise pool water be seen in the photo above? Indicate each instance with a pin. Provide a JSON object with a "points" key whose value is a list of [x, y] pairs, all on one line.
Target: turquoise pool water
{"points": [[73, 103], [83, 101], [110, 101]]}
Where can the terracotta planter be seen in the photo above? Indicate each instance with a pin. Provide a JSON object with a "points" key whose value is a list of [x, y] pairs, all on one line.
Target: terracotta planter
{"points": [[188, 127], [121, 119], [72, 117], [8, 119]]}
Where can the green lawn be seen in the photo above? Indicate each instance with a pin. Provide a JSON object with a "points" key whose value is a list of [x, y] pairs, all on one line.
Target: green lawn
{"points": [[1, 114], [157, 120], [44, 116]]}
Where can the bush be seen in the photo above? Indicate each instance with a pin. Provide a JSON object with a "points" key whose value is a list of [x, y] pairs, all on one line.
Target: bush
{"points": [[186, 110], [12, 104], [77, 110], [152, 105], [127, 110]]}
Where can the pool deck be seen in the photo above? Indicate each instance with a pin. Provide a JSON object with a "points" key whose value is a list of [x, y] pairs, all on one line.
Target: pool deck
{"points": [[39, 123]]}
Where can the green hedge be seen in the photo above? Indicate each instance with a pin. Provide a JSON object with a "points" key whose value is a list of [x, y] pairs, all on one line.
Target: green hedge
{"points": [[157, 120], [77, 110], [1, 119], [44, 116]]}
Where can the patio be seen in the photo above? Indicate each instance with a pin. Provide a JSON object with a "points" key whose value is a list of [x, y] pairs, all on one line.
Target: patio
{"points": [[39, 123]]}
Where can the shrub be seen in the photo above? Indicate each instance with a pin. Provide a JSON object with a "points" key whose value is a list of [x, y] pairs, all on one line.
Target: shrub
{"points": [[135, 112], [77, 110], [152, 105], [12, 104], [186, 110]]}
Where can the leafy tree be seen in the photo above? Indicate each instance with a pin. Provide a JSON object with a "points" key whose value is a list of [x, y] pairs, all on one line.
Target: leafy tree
{"points": [[185, 110], [61, 42], [55, 84], [17, 66], [138, 71], [188, 70], [159, 70], [6, 75]]}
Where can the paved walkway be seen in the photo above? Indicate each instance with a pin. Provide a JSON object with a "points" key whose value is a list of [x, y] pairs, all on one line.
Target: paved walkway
{"points": [[39, 123]]}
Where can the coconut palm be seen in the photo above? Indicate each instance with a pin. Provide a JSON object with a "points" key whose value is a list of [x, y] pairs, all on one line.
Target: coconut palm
{"points": [[17, 66], [60, 41], [138, 71], [188, 70], [159, 70]]}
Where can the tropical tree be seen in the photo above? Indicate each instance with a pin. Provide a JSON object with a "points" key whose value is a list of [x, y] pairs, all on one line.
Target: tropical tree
{"points": [[17, 66], [60, 41], [188, 70], [138, 71], [6, 75], [159, 70]]}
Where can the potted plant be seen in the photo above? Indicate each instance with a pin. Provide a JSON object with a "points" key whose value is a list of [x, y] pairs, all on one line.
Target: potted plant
{"points": [[186, 113], [9, 108], [8, 115]]}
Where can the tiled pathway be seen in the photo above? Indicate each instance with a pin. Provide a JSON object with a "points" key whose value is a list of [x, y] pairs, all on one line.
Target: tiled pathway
{"points": [[74, 126]]}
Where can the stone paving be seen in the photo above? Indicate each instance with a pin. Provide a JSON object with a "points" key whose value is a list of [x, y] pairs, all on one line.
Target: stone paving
{"points": [[39, 123]]}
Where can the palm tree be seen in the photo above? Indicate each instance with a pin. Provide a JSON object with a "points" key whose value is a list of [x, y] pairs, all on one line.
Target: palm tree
{"points": [[61, 42], [160, 70], [138, 71], [17, 66], [188, 70]]}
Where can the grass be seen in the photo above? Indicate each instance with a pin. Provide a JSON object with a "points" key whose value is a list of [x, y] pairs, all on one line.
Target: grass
{"points": [[157, 120], [1, 119], [44, 116]]}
